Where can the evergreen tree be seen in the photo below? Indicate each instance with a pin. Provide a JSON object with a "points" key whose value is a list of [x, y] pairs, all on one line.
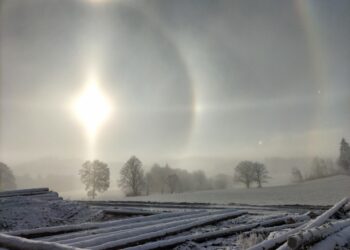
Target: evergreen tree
{"points": [[344, 157]]}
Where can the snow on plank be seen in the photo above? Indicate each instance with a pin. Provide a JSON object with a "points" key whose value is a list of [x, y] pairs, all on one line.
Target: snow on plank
{"points": [[318, 221], [340, 240], [80, 236], [266, 230], [307, 237], [273, 243], [288, 219], [24, 192], [101, 238], [145, 204], [327, 214], [18, 243], [172, 242], [347, 207], [160, 232], [47, 231], [128, 212]]}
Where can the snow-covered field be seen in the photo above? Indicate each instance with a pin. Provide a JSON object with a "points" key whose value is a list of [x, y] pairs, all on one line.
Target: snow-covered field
{"points": [[42, 220], [324, 191]]}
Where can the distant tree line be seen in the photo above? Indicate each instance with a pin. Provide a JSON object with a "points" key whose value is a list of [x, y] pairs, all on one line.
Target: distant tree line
{"points": [[321, 168], [7, 179], [135, 181], [164, 179]]}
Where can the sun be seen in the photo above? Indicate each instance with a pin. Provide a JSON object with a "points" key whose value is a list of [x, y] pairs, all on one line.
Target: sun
{"points": [[92, 108]]}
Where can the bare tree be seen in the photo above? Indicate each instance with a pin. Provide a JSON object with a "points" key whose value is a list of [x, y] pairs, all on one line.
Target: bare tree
{"points": [[260, 173], [7, 179], [132, 177], [319, 168], [172, 182], [148, 183], [244, 173], [297, 175], [95, 176]]}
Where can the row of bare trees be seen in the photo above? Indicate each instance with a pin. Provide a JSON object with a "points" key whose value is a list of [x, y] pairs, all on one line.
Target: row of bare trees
{"points": [[164, 179]]}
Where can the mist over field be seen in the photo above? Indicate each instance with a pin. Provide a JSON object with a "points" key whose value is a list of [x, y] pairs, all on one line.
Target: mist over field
{"points": [[174, 124], [192, 89]]}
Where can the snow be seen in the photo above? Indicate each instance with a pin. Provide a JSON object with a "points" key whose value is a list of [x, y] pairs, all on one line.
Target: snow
{"points": [[326, 191], [25, 212], [148, 221], [280, 239], [85, 226], [123, 238], [181, 239], [187, 226], [317, 233], [340, 239]]}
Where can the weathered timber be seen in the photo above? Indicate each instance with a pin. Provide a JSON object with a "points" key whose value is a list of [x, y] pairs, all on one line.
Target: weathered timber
{"points": [[128, 212], [273, 243], [173, 242], [55, 230], [23, 192], [151, 234], [309, 236], [18, 243], [340, 239]]}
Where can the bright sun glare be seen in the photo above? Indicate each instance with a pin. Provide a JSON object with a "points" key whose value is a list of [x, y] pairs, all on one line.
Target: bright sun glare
{"points": [[92, 108]]}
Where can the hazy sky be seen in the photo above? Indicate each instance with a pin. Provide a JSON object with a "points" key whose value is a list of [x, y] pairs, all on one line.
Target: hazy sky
{"points": [[241, 79]]}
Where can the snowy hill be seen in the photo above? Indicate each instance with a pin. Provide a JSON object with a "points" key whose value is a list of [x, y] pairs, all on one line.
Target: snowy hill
{"points": [[324, 191]]}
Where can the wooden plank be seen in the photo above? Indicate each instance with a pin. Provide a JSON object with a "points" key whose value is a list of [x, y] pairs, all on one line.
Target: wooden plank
{"points": [[134, 228], [55, 230], [138, 237], [307, 237], [18, 243], [128, 212], [23, 192], [173, 242], [340, 239], [273, 243]]}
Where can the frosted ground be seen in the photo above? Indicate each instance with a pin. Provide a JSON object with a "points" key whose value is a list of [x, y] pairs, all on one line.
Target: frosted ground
{"points": [[324, 191], [187, 227], [23, 212]]}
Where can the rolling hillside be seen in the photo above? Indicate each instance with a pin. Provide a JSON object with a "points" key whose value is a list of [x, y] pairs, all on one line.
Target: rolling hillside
{"points": [[324, 191]]}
